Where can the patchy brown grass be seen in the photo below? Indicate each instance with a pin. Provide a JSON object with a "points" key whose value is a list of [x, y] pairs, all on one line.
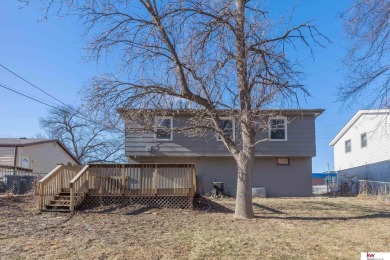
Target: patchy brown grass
{"points": [[289, 228]]}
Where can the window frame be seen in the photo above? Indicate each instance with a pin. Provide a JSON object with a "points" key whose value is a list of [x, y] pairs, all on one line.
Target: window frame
{"points": [[156, 127], [285, 128], [350, 146], [361, 140], [233, 126], [283, 158]]}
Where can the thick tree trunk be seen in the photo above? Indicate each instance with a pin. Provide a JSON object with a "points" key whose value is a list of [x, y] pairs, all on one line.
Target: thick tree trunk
{"points": [[245, 161], [245, 158]]}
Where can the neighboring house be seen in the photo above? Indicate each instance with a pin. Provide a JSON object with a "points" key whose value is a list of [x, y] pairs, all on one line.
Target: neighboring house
{"points": [[362, 147], [40, 155], [283, 163]]}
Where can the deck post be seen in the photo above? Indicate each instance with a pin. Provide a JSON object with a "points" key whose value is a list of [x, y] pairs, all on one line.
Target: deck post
{"points": [[71, 206], [155, 179], [123, 180], [188, 179], [87, 183], [140, 180], [61, 180], [193, 181], [40, 190]]}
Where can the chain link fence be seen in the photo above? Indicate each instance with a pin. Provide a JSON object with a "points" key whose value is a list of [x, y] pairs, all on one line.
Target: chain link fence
{"points": [[377, 190], [328, 186], [17, 181]]}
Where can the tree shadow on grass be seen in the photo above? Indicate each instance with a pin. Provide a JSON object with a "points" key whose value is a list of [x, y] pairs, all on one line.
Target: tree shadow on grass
{"points": [[272, 210], [104, 209], [204, 204], [371, 216], [357, 212], [328, 205], [139, 210]]}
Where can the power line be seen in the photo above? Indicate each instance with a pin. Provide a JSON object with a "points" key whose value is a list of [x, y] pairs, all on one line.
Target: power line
{"points": [[75, 112], [31, 95], [17, 92], [59, 109], [25, 80]]}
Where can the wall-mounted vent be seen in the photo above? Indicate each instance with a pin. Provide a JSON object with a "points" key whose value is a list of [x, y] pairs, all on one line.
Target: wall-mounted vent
{"points": [[148, 148]]}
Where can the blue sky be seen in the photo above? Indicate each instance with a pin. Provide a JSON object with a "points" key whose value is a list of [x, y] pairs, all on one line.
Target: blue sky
{"points": [[50, 54]]}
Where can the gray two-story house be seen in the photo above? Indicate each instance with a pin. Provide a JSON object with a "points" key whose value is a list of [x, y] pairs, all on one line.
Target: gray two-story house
{"points": [[283, 163]]}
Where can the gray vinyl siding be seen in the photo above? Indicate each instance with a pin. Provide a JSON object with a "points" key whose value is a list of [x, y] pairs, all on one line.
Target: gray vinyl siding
{"points": [[300, 142], [292, 180], [379, 171]]}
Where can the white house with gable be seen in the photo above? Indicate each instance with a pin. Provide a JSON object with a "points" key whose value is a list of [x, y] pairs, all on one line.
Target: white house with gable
{"points": [[362, 147]]}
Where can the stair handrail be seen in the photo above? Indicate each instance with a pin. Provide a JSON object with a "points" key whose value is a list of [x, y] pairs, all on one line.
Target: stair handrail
{"points": [[51, 174], [78, 188], [54, 182], [42, 182]]}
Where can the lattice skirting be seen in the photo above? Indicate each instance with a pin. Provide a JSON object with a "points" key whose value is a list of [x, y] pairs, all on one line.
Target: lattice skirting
{"points": [[164, 202]]}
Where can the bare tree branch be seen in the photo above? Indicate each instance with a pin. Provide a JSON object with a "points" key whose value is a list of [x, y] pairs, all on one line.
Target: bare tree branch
{"points": [[367, 25], [89, 141]]}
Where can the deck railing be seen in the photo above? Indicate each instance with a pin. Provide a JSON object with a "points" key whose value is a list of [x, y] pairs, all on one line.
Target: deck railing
{"points": [[54, 182], [79, 187], [14, 170], [133, 180], [143, 179]]}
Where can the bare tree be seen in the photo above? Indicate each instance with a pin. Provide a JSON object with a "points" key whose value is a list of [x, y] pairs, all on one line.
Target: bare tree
{"points": [[90, 141], [367, 23], [219, 58]]}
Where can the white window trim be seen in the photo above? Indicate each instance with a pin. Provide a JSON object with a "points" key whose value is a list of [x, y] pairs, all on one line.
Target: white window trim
{"points": [[155, 127], [233, 125], [285, 129]]}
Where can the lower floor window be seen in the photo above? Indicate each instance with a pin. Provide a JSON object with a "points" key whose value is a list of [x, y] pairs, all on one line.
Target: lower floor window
{"points": [[283, 161]]}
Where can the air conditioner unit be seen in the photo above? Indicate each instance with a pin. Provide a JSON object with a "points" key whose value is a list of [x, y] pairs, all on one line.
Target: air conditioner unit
{"points": [[259, 192]]}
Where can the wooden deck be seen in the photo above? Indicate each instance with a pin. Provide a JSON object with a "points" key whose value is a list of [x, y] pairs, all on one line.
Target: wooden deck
{"points": [[68, 187]]}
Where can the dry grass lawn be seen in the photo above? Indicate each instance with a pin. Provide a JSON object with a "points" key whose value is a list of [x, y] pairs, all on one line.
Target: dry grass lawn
{"points": [[289, 228]]}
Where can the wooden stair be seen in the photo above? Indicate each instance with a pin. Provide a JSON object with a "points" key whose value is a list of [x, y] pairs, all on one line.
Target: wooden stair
{"points": [[60, 203]]}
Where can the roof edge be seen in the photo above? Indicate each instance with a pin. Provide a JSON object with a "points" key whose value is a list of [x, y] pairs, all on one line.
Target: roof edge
{"points": [[349, 124], [315, 111]]}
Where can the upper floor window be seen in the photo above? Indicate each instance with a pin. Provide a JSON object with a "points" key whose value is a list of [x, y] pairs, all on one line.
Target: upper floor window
{"points": [[228, 126], [278, 129], [347, 146], [363, 139], [163, 129]]}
